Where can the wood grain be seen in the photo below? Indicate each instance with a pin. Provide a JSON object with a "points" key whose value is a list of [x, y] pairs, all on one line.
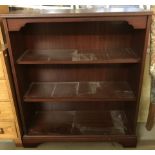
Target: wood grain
{"points": [[9, 127], [7, 130], [4, 95], [78, 123], [1, 68], [79, 91], [6, 112], [83, 31], [59, 56], [135, 22]]}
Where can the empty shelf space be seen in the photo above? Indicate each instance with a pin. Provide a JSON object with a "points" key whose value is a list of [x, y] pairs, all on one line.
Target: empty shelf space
{"points": [[79, 123], [79, 91], [73, 56]]}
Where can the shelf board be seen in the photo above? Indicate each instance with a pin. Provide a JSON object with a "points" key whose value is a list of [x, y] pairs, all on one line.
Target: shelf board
{"points": [[79, 91], [73, 56], [59, 123], [79, 138]]}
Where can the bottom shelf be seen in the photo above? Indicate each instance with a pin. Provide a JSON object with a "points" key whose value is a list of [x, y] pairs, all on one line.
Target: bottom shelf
{"points": [[124, 140], [70, 123]]}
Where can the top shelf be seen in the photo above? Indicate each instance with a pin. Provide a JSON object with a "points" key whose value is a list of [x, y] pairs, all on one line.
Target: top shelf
{"points": [[97, 11], [74, 56]]}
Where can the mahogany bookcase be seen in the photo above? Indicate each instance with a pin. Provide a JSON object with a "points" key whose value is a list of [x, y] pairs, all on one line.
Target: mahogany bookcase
{"points": [[77, 74]]}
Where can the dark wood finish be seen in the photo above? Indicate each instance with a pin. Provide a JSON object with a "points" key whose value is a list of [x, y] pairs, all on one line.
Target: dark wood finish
{"points": [[79, 91], [134, 17], [49, 83], [81, 36], [125, 140], [136, 22], [78, 56], [79, 123], [103, 12]]}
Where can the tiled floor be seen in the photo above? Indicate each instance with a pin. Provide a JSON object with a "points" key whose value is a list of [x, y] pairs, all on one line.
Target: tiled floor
{"points": [[146, 141]]}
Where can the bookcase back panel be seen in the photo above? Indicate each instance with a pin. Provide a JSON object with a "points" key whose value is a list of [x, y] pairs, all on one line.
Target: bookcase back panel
{"points": [[58, 73], [87, 35], [84, 106]]}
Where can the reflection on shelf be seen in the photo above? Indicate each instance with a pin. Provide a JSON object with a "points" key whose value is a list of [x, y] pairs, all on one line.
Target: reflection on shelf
{"points": [[79, 123], [79, 91], [73, 56]]}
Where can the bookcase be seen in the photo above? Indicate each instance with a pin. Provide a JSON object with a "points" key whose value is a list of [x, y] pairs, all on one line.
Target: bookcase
{"points": [[78, 74]]}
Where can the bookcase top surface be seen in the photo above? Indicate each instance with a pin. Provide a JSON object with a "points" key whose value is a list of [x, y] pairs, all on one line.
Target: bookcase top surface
{"points": [[26, 13]]}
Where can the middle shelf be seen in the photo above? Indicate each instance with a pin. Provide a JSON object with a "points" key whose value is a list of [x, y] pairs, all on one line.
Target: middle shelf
{"points": [[79, 91], [74, 56]]}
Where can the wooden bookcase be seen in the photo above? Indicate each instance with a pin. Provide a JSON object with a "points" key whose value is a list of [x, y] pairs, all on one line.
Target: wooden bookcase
{"points": [[78, 75]]}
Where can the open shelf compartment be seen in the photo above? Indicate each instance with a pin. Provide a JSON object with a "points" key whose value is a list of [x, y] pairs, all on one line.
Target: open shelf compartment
{"points": [[58, 123], [74, 56], [79, 91]]}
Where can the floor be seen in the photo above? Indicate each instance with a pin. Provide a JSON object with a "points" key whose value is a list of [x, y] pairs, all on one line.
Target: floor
{"points": [[146, 142]]}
